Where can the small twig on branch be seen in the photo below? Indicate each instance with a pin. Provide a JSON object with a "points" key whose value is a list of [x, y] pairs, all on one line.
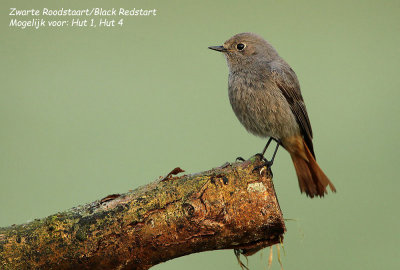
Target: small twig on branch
{"points": [[229, 207]]}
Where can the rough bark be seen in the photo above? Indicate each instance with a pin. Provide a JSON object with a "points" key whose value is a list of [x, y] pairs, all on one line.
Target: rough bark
{"points": [[229, 207]]}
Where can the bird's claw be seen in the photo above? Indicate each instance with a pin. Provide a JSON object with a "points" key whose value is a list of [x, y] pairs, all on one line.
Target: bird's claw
{"points": [[239, 159], [267, 164], [261, 156]]}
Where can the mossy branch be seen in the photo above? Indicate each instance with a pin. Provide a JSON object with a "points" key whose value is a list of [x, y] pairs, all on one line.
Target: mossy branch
{"points": [[229, 207]]}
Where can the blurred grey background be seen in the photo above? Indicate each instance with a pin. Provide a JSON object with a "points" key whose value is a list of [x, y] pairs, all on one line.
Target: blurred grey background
{"points": [[90, 112]]}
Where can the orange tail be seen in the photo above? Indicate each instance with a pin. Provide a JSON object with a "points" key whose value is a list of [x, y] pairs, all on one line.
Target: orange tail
{"points": [[312, 179]]}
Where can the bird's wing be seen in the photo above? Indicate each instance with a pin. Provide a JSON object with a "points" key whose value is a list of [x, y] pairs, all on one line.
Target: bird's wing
{"points": [[286, 80]]}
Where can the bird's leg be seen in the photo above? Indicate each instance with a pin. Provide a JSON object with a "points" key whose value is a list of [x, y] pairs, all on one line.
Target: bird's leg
{"points": [[266, 146], [267, 163], [261, 155], [278, 143]]}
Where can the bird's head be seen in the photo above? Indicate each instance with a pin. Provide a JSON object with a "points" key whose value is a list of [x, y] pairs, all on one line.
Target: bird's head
{"points": [[246, 49]]}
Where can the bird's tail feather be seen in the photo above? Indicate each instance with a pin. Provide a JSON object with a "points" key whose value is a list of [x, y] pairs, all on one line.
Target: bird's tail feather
{"points": [[312, 180]]}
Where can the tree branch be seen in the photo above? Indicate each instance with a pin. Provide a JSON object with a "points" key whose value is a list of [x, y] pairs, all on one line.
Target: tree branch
{"points": [[228, 207]]}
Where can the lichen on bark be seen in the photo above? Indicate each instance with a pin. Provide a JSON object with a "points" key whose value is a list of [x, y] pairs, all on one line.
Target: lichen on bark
{"points": [[228, 207]]}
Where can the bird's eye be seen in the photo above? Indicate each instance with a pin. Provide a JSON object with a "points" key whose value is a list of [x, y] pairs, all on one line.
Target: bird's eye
{"points": [[240, 46]]}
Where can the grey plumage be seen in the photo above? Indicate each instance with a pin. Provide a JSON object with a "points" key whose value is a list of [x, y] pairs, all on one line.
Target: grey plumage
{"points": [[265, 95], [259, 104], [264, 91]]}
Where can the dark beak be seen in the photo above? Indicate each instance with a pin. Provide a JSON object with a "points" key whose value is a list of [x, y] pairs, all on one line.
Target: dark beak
{"points": [[218, 48]]}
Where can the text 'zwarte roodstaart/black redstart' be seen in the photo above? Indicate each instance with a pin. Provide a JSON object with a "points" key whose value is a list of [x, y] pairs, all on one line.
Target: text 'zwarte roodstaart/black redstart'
{"points": [[265, 95]]}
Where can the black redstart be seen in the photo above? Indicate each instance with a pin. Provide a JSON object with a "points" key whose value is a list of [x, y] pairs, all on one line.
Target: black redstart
{"points": [[265, 95]]}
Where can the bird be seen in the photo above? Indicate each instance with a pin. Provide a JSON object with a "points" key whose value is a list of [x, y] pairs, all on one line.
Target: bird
{"points": [[265, 95]]}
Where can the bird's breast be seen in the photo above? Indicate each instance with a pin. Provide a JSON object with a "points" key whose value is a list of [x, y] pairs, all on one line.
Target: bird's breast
{"points": [[261, 107]]}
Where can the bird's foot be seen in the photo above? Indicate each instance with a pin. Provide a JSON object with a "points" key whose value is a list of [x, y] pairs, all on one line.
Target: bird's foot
{"points": [[261, 157], [267, 164], [239, 159]]}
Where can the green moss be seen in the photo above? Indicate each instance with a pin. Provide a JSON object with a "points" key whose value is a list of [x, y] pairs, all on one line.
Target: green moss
{"points": [[81, 235]]}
